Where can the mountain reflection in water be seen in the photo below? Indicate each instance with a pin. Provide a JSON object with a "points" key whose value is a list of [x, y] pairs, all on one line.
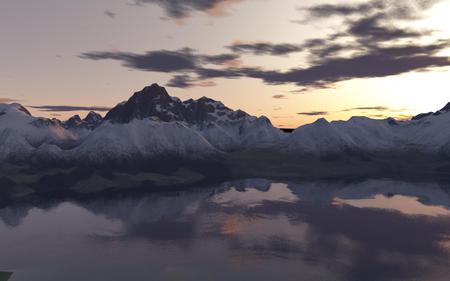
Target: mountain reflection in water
{"points": [[243, 230]]}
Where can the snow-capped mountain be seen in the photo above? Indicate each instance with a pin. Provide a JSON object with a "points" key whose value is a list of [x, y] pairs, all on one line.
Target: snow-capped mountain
{"points": [[223, 127], [142, 139], [23, 136], [154, 125], [426, 133], [151, 124]]}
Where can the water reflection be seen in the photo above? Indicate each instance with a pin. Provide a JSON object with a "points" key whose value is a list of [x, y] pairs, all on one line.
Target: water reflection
{"points": [[405, 204], [242, 230]]}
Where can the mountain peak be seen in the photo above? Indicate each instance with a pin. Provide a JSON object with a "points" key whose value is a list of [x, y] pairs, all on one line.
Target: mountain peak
{"points": [[91, 121], [76, 117], [93, 117], [73, 122], [153, 100], [17, 107], [321, 121], [153, 91]]}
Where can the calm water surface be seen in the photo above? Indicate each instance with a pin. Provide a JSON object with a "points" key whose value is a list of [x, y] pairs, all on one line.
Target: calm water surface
{"points": [[246, 230]]}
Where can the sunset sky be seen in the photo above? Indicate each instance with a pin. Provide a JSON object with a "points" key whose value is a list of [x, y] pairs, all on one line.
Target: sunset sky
{"points": [[292, 61]]}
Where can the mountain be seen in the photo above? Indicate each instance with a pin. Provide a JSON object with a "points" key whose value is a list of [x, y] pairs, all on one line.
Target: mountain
{"points": [[142, 139], [23, 136], [151, 124], [445, 109], [90, 122], [427, 134], [224, 128]]}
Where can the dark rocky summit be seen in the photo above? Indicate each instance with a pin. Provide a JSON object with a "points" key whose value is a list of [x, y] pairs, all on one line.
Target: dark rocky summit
{"points": [[90, 122], [154, 101]]}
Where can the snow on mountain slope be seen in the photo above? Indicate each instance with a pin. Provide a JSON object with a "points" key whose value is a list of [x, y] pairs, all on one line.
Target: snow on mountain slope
{"points": [[144, 138], [229, 130], [429, 134], [223, 127], [249, 132], [358, 133], [152, 124], [21, 134]]}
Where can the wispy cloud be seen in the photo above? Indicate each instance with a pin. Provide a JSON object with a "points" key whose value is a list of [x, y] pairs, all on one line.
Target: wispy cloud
{"points": [[110, 14], [279, 96], [377, 116], [313, 113], [62, 108], [264, 48], [375, 108]]}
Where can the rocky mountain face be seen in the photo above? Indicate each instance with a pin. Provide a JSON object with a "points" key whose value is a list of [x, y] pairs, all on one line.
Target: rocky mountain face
{"points": [[154, 125], [90, 122], [150, 124], [154, 102], [224, 128]]}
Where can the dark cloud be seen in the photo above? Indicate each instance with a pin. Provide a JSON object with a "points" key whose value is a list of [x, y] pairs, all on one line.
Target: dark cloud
{"points": [[381, 62], [375, 108], [319, 52], [182, 60], [370, 43], [279, 96], [182, 8], [366, 26], [327, 10], [60, 108], [220, 59], [376, 62], [299, 91], [397, 9], [180, 81], [186, 81], [313, 113], [158, 61], [259, 48], [207, 73], [373, 29], [110, 14]]}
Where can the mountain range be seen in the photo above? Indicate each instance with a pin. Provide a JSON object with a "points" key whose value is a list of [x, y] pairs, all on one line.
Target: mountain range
{"points": [[152, 124]]}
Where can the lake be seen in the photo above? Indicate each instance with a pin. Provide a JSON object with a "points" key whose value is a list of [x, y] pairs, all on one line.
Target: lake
{"points": [[252, 229]]}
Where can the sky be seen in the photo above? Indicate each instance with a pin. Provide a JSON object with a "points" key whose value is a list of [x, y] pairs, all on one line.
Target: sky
{"points": [[292, 61]]}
